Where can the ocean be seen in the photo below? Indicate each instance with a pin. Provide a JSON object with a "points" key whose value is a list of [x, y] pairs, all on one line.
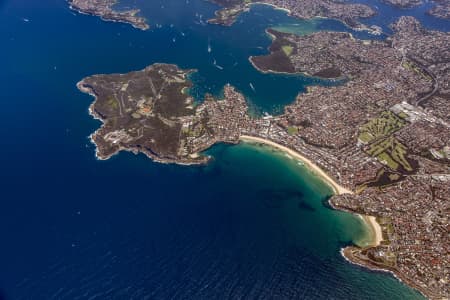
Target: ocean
{"points": [[252, 224]]}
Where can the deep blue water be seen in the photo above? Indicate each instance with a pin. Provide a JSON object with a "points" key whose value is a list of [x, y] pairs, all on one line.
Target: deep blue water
{"points": [[252, 224]]}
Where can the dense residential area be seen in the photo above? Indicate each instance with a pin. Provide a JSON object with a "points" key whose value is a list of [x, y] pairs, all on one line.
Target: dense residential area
{"points": [[383, 133]]}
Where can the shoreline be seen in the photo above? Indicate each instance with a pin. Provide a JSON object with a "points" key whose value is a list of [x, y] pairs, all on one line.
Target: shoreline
{"points": [[304, 74], [134, 150], [346, 253], [351, 260], [375, 228], [336, 187], [135, 25], [288, 11], [376, 234], [361, 27]]}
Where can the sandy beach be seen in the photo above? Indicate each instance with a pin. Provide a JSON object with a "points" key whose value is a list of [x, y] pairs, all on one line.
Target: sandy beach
{"points": [[338, 189], [288, 11], [375, 228], [377, 235]]}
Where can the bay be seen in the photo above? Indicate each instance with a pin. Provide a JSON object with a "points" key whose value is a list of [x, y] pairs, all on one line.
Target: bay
{"points": [[251, 224]]}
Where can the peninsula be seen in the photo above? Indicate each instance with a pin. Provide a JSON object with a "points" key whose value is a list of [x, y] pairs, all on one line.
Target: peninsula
{"points": [[150, 112], [348, 13], [381, 139], [404, 3], [440, 9], [104, 9]]}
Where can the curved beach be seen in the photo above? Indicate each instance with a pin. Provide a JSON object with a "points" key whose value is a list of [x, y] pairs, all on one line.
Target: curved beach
{"points": [[337, 188], [371, 222], [377, 234]]}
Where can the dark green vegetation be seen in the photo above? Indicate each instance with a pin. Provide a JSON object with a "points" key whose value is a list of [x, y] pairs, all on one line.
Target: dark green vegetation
{"points": [[141, 111], [105, 10], [278, 59], [150, 112], [284, 52]]}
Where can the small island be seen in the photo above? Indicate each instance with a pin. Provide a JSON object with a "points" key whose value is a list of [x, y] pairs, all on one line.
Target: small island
{"points": [[104, 9]]}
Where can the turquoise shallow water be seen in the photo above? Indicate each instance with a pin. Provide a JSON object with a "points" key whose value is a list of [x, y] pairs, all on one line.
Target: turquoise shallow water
{"points": [[252, 224]]}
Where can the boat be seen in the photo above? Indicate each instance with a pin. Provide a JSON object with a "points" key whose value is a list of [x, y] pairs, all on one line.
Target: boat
{"points": [[216, 65]]}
